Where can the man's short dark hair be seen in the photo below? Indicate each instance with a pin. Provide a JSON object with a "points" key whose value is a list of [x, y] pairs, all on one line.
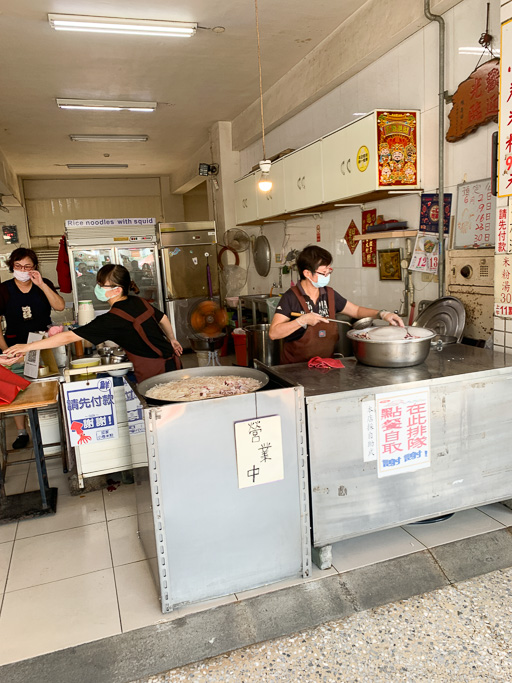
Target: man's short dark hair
{"points": [[311, 257]]}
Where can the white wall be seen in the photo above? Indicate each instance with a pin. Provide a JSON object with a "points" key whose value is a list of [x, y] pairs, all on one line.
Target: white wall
{"points": [[406, 77]]}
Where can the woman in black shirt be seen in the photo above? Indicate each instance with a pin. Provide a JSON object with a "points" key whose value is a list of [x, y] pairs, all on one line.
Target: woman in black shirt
{"points": [[143, 331]]}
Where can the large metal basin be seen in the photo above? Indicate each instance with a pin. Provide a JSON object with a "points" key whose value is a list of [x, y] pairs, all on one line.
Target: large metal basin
{"points": [[399, 353], [207, 371]]}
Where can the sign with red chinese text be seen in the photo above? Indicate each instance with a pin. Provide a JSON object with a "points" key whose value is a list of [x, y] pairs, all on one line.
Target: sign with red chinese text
{"points": [[426, 253], [475, 102], [403, 431], [503, 285], [368, 247], [503, 231], [90, 408], [505, 118], [259, 451], [397, 148], [476, 215], [352, 231]]}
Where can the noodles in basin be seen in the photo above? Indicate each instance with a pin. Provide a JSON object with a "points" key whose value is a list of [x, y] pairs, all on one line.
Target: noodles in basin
{"points": [[197, 388]]}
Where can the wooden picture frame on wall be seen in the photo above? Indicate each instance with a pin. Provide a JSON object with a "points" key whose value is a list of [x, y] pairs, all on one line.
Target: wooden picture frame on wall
{"points": [[390, 267]]}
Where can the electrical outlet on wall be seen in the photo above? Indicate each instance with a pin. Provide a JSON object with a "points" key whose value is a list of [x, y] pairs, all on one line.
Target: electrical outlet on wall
{"points": [[429, 277], [279, 258]]}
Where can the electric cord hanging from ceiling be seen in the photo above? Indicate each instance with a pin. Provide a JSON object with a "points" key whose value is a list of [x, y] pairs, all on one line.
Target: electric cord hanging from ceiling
{"points": [[265, 184]]}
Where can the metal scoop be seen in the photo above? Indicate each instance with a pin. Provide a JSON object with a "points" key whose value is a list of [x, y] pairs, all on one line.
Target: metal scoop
{"points": [[360, 324]]}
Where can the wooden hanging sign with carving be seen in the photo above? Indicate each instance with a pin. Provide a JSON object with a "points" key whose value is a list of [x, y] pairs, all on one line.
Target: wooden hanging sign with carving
{"points": [[475, 102]]}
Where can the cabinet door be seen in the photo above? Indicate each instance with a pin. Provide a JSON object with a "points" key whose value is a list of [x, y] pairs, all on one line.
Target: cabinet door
{"points": [[303, 177], [246, 206], [334, 166], [361, 156], [272, 203]]}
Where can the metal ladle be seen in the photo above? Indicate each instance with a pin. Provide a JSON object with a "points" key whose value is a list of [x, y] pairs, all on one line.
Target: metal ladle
{"points": [[360, 324]]}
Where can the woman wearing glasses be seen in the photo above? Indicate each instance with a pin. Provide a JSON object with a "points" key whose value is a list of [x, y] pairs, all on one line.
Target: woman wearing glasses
{"points": [[308, 334], [26, 302], [143, 331]]}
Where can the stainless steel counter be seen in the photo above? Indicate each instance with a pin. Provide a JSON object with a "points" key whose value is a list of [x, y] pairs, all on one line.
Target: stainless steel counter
{"points": [[470, 426], [452, 361]]}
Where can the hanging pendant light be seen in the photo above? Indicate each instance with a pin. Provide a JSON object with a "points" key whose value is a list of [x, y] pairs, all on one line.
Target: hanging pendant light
{"points": [[265, 184]]}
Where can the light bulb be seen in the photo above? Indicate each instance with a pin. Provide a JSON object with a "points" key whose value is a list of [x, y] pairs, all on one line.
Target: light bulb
{"points": [[265, 184]]}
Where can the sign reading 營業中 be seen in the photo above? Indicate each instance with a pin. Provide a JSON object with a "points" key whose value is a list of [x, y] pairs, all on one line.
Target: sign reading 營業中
{"points": [[259, 451], [403, 431], [90, 411]]}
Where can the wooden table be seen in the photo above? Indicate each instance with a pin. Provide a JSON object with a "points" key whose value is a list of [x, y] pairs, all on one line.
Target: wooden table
{"points": [[32, 503]]}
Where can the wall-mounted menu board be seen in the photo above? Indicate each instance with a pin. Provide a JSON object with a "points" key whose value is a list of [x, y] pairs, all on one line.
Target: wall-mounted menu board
{"points": [[476, 215]]}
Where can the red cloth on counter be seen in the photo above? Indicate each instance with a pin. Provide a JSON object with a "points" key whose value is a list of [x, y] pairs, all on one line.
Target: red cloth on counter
{"points": [[10, 385], [324, 363], [63, 269]]}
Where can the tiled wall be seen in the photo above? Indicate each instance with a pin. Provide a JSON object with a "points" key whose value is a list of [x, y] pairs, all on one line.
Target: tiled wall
{"points": [[406, 77]]}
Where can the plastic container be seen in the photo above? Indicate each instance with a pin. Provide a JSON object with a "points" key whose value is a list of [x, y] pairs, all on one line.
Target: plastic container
{"points": [[84, 363], [240, 342], [85, 312], [261, 347], [50, 431]]}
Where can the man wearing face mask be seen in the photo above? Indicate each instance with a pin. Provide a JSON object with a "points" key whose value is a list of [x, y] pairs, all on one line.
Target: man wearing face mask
{"points": [[26, 302], [300, 317]]}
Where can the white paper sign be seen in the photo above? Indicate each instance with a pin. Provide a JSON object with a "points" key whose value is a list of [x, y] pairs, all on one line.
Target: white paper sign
{"points": [[31, 368], [503, 285], [259, 451], [426, 253], [369, 431], [91, 411], [134, 410], [403, 431]]}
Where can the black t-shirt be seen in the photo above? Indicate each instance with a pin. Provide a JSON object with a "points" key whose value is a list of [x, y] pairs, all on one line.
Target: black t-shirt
{"points": [[24, 312], [112, 327], [289, 304]]}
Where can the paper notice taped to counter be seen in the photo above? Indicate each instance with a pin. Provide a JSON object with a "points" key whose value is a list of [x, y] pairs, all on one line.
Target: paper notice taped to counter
{"points": [[403, 431], [369, 430], [259, 451]]}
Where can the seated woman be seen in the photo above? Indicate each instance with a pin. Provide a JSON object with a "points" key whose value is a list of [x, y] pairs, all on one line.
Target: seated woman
{"points": [[143, 331]]}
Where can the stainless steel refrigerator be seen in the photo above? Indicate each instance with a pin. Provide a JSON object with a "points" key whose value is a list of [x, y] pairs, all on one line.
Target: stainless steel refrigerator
{"points": [[188, 252], [131, 245]]}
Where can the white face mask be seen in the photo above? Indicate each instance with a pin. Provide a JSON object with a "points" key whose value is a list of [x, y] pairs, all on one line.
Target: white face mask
{"points": [[21, 275]]}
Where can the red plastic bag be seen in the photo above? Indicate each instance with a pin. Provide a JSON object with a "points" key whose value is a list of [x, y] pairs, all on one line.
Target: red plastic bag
{"points": [[10, 385]]}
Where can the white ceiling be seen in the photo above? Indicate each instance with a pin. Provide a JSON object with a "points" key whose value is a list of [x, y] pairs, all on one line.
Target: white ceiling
{"points": [[196, 81]]}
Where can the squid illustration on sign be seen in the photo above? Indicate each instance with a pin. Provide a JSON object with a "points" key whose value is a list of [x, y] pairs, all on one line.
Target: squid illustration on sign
{"points": [[79, 429]]}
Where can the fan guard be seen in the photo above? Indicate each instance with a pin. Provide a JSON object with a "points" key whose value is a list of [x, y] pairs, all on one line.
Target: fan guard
{"points": [[237, 239]]}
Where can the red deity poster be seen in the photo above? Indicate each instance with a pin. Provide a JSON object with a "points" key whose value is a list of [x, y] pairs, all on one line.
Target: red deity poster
{"points": [[352, 231], [397, 147], [369, 247]]}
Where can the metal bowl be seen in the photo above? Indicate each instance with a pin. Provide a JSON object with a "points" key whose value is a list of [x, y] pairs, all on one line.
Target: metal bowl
{"points": [[208, 371], [399, 353], [207, 343]]}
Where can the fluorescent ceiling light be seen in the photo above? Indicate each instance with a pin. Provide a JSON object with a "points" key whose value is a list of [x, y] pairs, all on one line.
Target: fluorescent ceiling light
{"points": [[97, 165], [109, 138], [405, 191], [360, 113], [105, 105], [136, 27], [475, 50]]}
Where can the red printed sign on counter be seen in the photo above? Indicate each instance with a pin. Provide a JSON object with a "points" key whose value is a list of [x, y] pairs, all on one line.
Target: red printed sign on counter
{"points": [[502, 233], [352, 232], [369, 247], [403, 431]]}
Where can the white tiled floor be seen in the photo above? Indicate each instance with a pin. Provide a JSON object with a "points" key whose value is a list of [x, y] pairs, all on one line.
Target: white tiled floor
{"points": [[80, 575]]}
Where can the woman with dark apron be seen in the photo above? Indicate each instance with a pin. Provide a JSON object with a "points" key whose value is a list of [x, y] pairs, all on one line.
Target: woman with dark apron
{"points": [[144, 332], [300, 318]]}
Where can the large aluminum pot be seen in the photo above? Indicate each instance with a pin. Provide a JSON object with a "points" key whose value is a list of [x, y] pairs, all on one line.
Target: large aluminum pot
{"points": [[398, 353], [207, 371], [261, 347]]}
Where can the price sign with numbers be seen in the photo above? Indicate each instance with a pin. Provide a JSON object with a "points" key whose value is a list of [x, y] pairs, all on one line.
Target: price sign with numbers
{"points": [[503, 285]]}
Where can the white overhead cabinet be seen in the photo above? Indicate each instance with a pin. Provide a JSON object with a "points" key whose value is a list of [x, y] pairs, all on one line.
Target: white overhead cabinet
{"points": [[271, 203], [246, 207], [365, 159], [303, 178]]}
